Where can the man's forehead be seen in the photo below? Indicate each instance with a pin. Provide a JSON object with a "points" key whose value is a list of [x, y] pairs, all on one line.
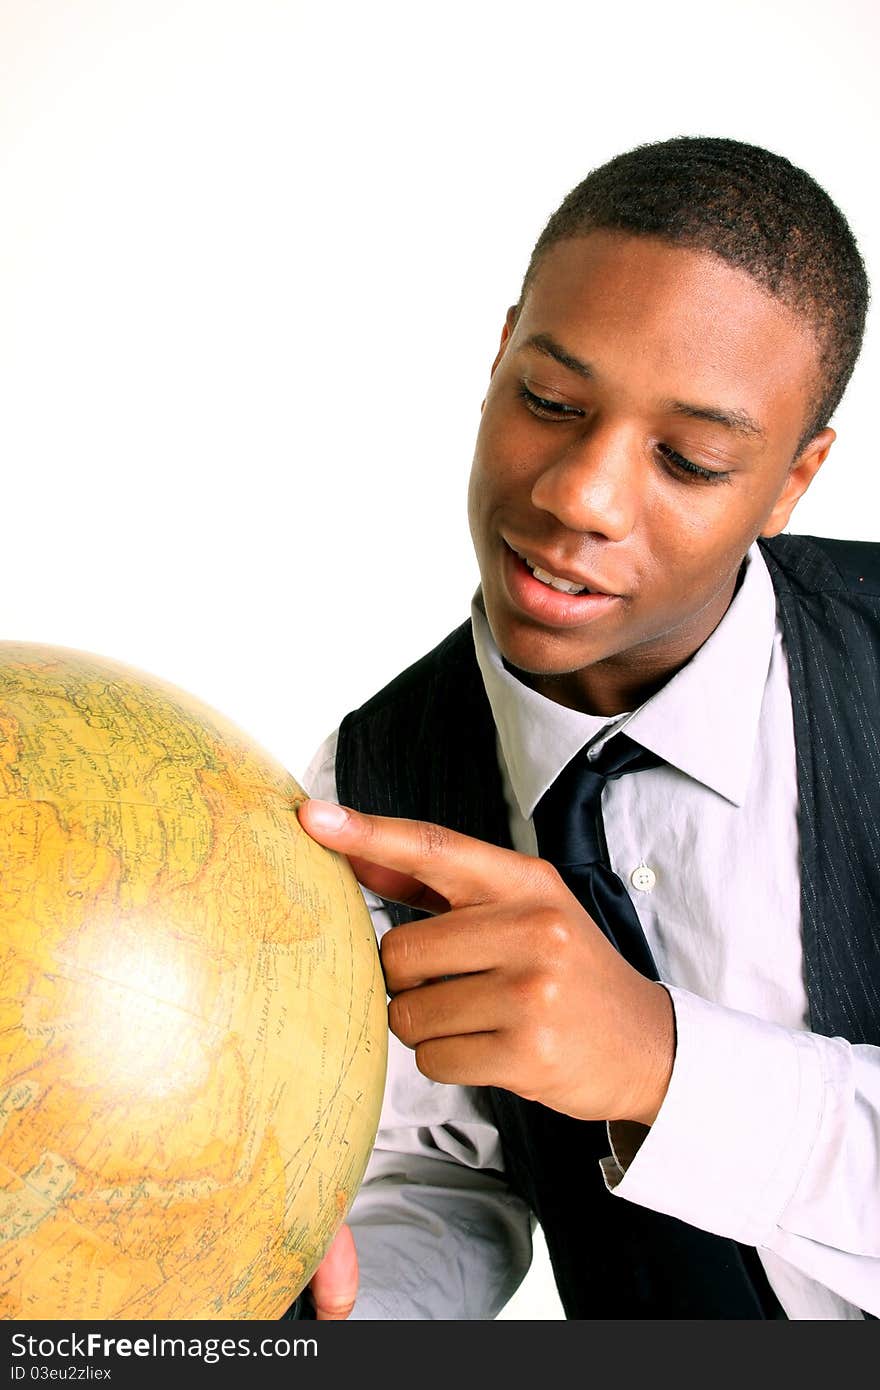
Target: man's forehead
{"points": [[582, 269], [687, 308], [636, 276]]}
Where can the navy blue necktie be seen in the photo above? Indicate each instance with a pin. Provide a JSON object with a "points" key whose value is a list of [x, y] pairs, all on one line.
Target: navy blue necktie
{"points": [[568, 824]]}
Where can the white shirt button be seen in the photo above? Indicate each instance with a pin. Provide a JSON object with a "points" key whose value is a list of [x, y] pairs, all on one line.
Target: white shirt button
{"points": [[643, 878]]}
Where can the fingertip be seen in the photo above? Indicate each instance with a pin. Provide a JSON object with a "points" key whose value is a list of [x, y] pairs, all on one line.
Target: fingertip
{"points": [[335, 1283], [336, 1312], [318, 815]]}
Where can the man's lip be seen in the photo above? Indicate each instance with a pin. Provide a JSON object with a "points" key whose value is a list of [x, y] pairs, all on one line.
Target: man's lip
{"points": [[557, 569]]}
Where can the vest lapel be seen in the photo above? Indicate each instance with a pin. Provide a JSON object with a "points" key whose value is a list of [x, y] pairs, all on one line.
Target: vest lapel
{"points": [[832, 641]]}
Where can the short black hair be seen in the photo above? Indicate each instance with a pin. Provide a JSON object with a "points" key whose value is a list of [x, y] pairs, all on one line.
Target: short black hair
{"points": [[754, 209]]}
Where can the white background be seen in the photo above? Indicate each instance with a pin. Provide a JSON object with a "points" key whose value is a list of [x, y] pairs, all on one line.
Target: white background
{"points": [[254, 262]]}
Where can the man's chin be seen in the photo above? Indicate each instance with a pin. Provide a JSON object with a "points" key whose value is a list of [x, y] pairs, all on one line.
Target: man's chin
{"points": [[550, 677], [545, 655]]}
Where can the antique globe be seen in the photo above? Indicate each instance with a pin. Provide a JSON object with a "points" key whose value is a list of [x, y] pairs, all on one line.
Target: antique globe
{"points": [[192, 1013]]}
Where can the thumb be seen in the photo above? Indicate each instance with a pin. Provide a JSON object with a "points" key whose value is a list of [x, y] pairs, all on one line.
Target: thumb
{"points": [[335, 1282]]}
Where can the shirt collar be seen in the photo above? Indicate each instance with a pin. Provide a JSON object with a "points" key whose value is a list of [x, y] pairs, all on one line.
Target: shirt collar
{"points": [[720, 689]]}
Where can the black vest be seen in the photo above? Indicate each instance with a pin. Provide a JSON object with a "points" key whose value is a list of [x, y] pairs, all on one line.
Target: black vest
{"points": [[424, 747]]}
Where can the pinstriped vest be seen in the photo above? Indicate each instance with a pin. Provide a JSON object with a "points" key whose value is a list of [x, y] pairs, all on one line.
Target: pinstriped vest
{"points": [[424, 747]]}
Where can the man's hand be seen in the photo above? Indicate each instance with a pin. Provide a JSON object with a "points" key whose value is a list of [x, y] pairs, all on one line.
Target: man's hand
{"points": [[512, 984], [335, 1282]]}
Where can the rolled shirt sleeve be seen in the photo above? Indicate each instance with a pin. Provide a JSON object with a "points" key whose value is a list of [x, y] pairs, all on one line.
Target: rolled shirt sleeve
{"points": [[770, 1136]]}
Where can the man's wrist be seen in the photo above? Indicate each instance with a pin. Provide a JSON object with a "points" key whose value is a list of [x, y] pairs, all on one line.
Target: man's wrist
{"points": [[657, 1058]]}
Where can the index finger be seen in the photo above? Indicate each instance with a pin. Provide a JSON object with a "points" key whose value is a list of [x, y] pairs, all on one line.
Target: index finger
{"points": [[460, 868]]}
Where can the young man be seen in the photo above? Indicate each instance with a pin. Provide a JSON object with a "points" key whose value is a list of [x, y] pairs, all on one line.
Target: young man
{"points": [[666, 1046]]}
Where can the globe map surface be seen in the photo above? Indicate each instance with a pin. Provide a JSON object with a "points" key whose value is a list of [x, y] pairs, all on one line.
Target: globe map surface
{"points": [[192, 1013]]}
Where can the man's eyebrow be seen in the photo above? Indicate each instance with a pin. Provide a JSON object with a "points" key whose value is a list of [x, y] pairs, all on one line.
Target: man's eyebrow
{"points": [[739, 421], [549, 346], [736, 420]]}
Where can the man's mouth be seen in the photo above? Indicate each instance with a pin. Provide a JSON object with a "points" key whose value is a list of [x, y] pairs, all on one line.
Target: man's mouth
{"points": [[555, 581], [537, 590]]}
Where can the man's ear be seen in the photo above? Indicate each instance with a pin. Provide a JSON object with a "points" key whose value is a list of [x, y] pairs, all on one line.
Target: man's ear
{"points": [[509, 325], [800, 475]]}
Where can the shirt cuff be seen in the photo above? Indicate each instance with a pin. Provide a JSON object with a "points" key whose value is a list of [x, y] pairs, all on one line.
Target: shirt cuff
{"points": [[735, 1130]]}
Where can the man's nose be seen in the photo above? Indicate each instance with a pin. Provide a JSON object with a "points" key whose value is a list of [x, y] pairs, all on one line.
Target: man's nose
{"points": [[595, 484]]}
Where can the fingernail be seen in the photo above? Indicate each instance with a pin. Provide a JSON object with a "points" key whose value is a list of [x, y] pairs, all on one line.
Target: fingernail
{"points": [[326, 815]]}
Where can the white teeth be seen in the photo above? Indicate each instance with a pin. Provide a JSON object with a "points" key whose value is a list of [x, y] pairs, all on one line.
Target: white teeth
{"points": [[563, 585]]}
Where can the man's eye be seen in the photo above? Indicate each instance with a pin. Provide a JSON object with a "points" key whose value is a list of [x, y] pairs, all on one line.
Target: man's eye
{"points": [[677, 462], [548, 410]]}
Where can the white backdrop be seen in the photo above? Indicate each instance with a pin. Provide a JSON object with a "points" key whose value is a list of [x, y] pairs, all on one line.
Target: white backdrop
{"points": [[254, 262]]}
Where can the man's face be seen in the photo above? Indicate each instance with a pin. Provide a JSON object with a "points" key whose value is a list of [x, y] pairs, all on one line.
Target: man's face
{"points": [[639, 432]]}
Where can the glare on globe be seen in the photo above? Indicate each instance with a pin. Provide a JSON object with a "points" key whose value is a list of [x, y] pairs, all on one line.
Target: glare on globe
{"points": [[192, 1013]]}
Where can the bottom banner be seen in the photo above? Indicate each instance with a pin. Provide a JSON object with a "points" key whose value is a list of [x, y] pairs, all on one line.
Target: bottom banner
{"points": [[459, 1354]]}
